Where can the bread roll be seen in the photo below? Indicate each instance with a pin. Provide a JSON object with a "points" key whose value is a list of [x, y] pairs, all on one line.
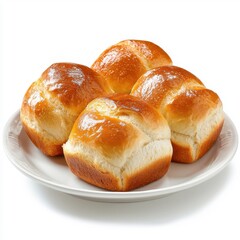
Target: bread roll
{"points": [[194, 113], [123, 63], [52, 103], [119, 143]]}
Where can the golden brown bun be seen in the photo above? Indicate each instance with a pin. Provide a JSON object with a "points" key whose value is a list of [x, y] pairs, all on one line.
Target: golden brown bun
{"points": [[194, 113], [123, 63], [119, 143], [52, 103]]}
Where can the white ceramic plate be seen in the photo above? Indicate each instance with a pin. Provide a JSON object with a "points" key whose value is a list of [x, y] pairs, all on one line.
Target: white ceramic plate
{"points": [[54, 173]]}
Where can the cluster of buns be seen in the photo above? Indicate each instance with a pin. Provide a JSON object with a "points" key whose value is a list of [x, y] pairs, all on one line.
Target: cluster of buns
{"points": [[121, 122]]}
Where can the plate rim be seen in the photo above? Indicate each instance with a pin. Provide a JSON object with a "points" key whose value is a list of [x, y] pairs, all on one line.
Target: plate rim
{"points": [[109, 196]]}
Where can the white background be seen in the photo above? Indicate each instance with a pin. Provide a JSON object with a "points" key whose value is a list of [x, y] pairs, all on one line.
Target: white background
{"points": [[202, 37]]}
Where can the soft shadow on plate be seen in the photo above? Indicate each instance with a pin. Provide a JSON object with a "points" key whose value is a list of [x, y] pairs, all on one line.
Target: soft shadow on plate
{"points": [[160, 211]]}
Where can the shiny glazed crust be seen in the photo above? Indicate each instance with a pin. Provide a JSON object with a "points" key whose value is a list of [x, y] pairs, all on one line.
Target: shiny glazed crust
{"points": [[53, 102], [194, 113], [123, 63], [119, 143]]}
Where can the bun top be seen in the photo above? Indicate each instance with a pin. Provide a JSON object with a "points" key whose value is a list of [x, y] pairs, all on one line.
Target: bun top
{"points": [[151, 54], [73, 84], [177, 93], [123, 63], [67, 85], [115, 124]]}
